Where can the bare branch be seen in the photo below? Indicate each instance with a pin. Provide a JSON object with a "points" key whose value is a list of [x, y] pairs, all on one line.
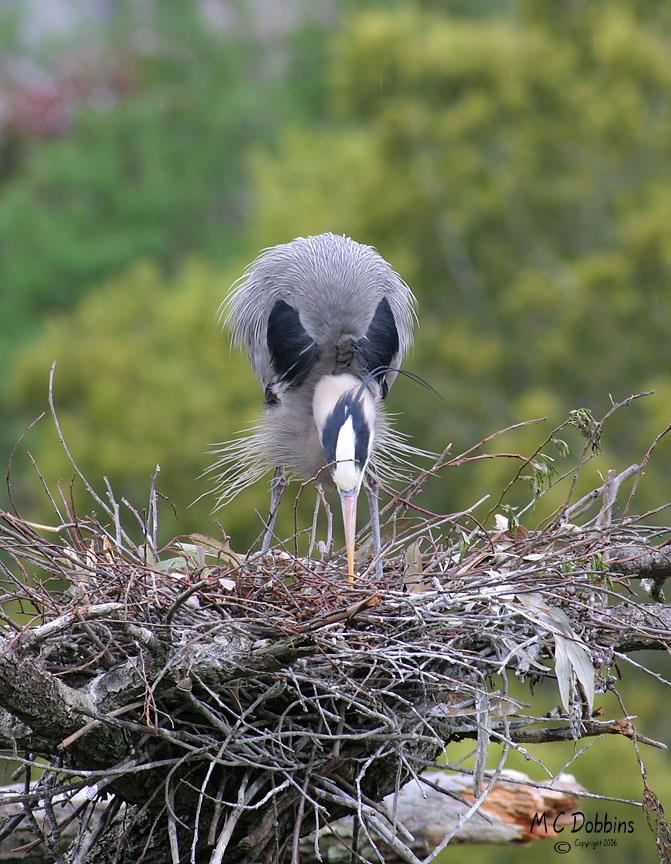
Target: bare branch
{"points": [[231, 704]]}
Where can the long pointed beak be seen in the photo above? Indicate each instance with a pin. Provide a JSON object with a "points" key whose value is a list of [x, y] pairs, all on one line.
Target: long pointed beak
{"points": [[348, 501]]}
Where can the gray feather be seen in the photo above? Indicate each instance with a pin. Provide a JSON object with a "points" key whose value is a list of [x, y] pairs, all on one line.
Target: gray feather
{"points": [[335, 284]]}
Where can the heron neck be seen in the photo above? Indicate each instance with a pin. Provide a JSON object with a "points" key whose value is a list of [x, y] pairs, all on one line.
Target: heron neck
{"points": [[331, 388]]}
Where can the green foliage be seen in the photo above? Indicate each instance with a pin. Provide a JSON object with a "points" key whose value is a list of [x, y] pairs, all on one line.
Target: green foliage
{"points": [[158, 172], [141, 379], [517, 174], [514, 172]]}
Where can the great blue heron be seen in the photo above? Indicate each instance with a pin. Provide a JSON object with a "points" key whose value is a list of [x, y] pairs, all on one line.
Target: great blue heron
{"points": [[326, 322]]}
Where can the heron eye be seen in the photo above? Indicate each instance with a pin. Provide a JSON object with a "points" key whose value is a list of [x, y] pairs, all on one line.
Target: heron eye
{"points": [[270, 396]]}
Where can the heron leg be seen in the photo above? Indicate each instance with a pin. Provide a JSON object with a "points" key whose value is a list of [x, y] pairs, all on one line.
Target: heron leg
{"points": [[315, 517], [277, 486], [373, 492], [328, 545], [325, 547]]}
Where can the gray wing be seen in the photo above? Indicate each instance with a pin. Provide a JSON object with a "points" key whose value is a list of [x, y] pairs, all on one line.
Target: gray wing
{"points": [[300, 302]]}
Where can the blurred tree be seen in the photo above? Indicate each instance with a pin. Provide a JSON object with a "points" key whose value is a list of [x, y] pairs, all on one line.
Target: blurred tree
{"points": [[154, 168], [515, 176], [141, 379], [157, 173], [516, 172]]}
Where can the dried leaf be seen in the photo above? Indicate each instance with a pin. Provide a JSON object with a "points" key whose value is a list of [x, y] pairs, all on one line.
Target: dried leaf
{"points": [[227, 584], [563, 671], [171, 565], [571, 654], [412, 576], [221, 549], [501, 522], [581, 663]]}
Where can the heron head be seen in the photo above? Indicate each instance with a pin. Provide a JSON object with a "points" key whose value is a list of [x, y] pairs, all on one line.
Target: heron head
{"points": [[344, 413]]}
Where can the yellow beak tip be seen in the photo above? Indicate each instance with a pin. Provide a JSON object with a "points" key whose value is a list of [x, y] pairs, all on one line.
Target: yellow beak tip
{"points": [[350, 565], [348, 500]]}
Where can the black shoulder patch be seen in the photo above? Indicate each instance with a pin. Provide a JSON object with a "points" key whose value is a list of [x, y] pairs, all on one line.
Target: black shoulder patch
{"points": [[380, 344], [292, 351]]}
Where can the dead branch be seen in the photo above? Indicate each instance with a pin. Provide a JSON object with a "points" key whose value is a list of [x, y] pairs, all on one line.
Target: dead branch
{"points": [[514, 813]]}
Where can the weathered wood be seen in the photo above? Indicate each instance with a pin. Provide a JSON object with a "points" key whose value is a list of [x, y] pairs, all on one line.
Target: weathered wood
{"points": [[513, 813]]}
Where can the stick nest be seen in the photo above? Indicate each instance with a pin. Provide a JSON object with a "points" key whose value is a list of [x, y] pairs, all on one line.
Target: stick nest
{"points": [[243, 701]]}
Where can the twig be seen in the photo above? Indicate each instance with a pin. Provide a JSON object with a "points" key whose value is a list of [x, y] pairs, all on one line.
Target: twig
{"points": [[586, 500], [10, 460], [87, 485]]}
